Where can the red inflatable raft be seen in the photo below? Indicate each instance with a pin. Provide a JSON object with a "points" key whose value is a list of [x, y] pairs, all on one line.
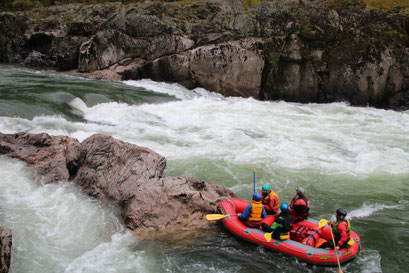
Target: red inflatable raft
{"points": [[294, 247]]}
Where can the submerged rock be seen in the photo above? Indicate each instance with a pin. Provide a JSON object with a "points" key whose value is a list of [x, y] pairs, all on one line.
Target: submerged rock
{"points": [[5, 249], [124, 174]]}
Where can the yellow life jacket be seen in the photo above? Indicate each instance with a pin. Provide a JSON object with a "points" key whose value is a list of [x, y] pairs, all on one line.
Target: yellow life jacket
{"points": [[256, 211]]}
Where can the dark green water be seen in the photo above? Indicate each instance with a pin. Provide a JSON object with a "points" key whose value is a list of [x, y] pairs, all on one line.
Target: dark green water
{"points": [[356, 158]]}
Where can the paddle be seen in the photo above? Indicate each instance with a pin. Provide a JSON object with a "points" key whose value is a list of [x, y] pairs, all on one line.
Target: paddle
{"points": [[213, 217], [336, 252], [321, 224], [267, 235], [254, 179]]}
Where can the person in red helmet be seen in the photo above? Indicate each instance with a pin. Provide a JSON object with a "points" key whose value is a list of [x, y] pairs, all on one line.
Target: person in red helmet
{"points": [[300, 206], [254, 212], [341, 230], [270, 200]]}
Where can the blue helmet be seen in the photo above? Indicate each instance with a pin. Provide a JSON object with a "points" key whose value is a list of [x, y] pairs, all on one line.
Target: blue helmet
{"points": [[256, 196], [284, 207]]}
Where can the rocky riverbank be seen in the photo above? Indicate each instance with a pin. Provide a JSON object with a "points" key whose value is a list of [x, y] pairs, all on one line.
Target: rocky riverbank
{"points": [[5, 249], [293, 50]]}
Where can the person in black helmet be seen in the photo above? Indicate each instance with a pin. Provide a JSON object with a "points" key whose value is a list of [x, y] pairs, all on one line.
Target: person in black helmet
{"points": [[341, 230], [282, 225]]}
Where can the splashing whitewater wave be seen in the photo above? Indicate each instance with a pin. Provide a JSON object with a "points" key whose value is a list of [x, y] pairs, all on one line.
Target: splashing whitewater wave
{"points": [[367, 210]]}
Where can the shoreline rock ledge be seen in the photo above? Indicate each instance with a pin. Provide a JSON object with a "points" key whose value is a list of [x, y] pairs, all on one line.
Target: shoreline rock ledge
{"points": [[5, 249], [123, 174]]}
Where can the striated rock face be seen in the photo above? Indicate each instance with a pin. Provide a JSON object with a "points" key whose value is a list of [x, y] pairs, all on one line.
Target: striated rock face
{"points": [[174, 205], [128, 176], [5, 249], [53, 158], [301, 51]]}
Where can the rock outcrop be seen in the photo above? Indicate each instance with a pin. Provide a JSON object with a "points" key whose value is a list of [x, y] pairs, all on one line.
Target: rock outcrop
{"points": [[53, 158], [5, 249], [126, 175], [301, 51]]}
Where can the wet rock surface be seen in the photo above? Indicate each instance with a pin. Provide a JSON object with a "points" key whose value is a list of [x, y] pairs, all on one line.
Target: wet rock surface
{"points": [[5, 249], [53, 158], [123, 174]]}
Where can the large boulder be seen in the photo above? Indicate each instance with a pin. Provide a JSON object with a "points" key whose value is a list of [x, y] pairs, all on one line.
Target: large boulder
{"points": [[132, 177], [231, 69], [123, 174], [5, 249]]}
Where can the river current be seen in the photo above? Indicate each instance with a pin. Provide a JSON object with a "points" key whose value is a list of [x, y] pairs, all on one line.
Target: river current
{"points": [[351, 157]]}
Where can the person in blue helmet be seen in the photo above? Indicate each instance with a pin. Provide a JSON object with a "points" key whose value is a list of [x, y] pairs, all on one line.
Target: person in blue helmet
{"points": [[254, 212], [283, 223]]}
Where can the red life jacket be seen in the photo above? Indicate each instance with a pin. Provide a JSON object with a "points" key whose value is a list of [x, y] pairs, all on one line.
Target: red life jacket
{"points": [[335, 230], [272, 194], [301, 209], [316, 240]]}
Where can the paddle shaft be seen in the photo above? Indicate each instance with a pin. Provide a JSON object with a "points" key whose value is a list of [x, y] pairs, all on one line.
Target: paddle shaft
{"points": [[336, 252], [254, 179], [312, 235], [321, 224]]}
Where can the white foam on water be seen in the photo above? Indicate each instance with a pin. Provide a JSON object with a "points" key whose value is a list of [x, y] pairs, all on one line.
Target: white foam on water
{"points": [[172, 89], [245, 130], [369, 209], [113, 256], [332, 138], [55, 224], [79, 105], [368, 261]]}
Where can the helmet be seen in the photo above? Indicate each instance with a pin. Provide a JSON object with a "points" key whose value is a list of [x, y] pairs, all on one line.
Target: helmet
{"points": [[300, 191], [341, 213], [266, 187], [284, 207], [256, 196]]}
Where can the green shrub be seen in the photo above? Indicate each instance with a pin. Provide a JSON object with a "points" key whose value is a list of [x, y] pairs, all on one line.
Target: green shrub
{"points": [[387, 5], [22, 4]]}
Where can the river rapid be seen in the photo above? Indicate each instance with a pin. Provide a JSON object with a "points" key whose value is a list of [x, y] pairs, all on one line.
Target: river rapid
{"points": [[351, 157]]}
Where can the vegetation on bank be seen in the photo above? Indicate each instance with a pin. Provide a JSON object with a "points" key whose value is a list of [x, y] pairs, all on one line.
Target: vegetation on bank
{"points": [[15, 5]]}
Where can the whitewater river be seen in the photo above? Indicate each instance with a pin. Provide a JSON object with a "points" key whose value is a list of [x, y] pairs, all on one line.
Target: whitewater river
{"points": [[351, 157]]}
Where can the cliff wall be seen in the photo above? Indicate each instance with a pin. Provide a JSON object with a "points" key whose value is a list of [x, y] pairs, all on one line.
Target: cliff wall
{"points": [[292, 50]]}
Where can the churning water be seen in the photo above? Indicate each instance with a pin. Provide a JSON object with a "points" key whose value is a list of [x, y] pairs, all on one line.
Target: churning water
{"points": [[353, 157]]}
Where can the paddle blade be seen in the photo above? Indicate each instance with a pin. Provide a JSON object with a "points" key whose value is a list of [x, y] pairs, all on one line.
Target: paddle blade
{"points": [[214, 217], [322, 223], [267, 235]]}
